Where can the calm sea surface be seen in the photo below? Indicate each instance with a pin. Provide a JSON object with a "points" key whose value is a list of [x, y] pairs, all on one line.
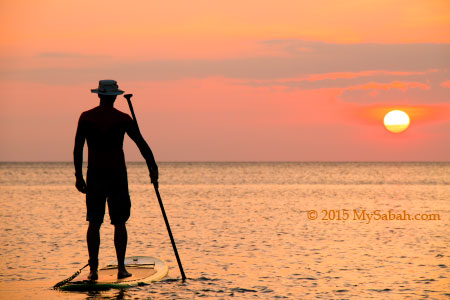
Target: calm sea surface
{"points": [[242, 230]]}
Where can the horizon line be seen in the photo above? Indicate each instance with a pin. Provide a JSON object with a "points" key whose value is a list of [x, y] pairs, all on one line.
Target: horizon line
{"points": [[253, 161]]}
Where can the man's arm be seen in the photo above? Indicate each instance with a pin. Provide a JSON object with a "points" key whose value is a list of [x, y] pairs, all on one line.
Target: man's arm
{"points": [[134, 133], [80, 138]]}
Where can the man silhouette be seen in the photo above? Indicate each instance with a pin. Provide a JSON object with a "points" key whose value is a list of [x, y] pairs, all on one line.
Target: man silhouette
{"points": [[104, 128]]}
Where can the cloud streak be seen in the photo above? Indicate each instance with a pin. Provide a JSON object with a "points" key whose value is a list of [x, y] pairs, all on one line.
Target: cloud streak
{"points": [[67, 55], [403, 86], [321, 58]]}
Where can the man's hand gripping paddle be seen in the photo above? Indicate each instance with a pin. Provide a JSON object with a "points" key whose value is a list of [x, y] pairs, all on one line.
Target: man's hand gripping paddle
{"points": [[155, 185]]}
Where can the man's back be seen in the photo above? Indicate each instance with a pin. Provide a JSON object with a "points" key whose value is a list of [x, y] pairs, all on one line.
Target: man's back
{"points": [[104, 129]]}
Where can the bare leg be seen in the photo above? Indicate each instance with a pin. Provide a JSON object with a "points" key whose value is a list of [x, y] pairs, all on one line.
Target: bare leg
{"points": [[93, 242], [120, 241]]}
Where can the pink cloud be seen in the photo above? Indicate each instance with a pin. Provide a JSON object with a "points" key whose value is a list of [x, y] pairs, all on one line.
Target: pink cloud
{"points": [[350, 75], [388, 86], [347, 75], [446, 84]]}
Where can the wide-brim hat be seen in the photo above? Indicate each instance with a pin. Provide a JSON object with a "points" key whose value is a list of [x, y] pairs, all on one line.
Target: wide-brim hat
{"points": [[107, 87]]}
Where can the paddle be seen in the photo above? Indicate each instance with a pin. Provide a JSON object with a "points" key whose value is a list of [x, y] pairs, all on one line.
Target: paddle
{"points": [[155, 185]]}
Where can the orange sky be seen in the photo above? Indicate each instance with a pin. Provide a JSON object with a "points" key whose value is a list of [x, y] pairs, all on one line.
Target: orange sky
{"points": [[230, 80]]}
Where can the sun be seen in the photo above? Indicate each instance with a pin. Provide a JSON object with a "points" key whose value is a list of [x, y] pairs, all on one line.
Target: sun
{"points": [[396, 121]]}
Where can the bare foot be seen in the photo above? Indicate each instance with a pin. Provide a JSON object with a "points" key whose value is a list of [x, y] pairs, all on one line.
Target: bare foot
{"points": [[123, 274], [93, 275]]}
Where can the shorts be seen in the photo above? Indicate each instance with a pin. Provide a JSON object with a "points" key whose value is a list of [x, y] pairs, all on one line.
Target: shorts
{"points": [[107, 186]]}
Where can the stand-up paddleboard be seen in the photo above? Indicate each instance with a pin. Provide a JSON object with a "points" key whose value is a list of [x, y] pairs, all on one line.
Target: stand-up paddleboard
{"points": [[145, 269]]}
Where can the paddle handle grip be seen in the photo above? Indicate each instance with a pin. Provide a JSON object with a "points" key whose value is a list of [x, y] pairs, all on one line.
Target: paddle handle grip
{"points": [[132, 110]]}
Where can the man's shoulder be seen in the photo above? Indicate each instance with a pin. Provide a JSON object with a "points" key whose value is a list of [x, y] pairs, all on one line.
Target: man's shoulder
{"points": [[88, 113], [97, 111], [122, 114]]}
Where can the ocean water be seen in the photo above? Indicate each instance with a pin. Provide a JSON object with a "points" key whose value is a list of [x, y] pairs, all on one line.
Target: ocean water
{"points": [[243, 230]]}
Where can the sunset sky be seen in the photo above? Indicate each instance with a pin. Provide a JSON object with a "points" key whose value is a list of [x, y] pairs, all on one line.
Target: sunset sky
{"points": [[230, 80]]}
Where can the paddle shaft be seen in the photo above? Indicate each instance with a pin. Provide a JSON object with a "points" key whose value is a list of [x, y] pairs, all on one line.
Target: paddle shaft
{"points": [[183, 277], [161, 205]]}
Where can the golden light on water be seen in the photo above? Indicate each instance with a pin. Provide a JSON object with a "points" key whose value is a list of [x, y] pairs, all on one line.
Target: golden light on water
{"points": [[396, 121]]}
